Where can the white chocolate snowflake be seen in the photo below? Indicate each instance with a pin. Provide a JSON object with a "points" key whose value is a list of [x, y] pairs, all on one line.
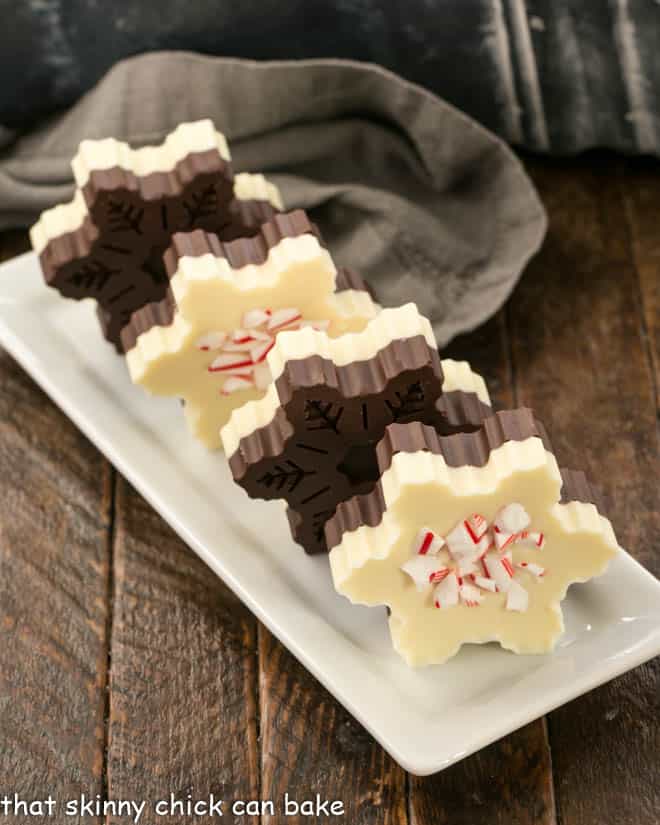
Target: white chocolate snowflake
{"points": [[213, 353], [475, 571]]}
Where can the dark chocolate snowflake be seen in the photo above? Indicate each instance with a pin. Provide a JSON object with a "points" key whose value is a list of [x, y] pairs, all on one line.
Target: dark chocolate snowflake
{"points": [[108, 243], [319, 447]]}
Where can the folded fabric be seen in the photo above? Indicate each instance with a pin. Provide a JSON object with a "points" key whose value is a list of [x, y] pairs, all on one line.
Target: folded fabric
{"points": [[418, 197]]}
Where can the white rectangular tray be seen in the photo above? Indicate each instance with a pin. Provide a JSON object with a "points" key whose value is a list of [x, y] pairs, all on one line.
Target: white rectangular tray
{"points": [[613, 623]]}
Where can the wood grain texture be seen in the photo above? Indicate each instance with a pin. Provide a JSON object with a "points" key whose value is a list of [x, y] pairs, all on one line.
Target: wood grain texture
{"points": [[640, 185], [310, 745], [510, 781], [54, 521], [183, 677], [488, 351], [580, 360]]}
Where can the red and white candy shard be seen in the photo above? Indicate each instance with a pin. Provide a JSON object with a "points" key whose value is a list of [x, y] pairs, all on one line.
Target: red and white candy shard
{"points": [[531, 539], [260, 350], [470, 595], [475, 559], [242, 353], [283, 318], [510, 527], [422, 569], [447, 592], [235, 384], [499, 569], [469, 539], [517, 598], [211, 341], [511, 519], [256, 318], [229, 362], [485, 583], [427, 543]]}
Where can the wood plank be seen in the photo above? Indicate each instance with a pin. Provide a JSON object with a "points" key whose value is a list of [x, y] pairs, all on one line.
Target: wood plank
{"points": [[580, 361], [55, 507], [311, 745], [183, 677], [510, 781], [487, 348], [640, 185]]}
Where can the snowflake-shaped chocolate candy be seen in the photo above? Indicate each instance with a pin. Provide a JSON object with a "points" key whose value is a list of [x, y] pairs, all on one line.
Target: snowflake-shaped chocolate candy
{"points": [[108, 242], [470, 538], [207, 341], [312, 439]]}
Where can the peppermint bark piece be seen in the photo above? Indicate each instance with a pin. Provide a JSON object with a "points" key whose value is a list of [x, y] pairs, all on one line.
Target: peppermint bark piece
{"points": [[312, 439], [107, 243], [208, 340], [470, 538]]}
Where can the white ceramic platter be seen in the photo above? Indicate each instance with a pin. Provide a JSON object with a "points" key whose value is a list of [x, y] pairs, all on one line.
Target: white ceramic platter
{"points": [[613, 623]]}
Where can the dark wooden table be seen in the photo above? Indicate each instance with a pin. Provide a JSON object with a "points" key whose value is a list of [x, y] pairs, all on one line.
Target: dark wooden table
{"points": [[127, 669]]}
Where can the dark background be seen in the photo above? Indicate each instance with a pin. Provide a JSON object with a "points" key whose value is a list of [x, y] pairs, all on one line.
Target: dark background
{"points": [[552, 75]]}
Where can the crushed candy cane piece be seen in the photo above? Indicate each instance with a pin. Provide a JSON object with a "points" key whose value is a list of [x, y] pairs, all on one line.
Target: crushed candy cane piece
{"points": [[459, 540], [241, 336], [245, 370], [532, 539], [445, 594], [476, 525], [236, 384], [226, 362], [211, 341], [504, 540], [512, 519], [517, 598], [242, 353], [466, 566], [233, 346], [255, 318], [421, 569], [506, 564], [439, 575], [497, 571], [474, 559], [470, 595], [283, 318], [463, 543], [260, 335], [485, 583], [260, 350], [428, 543], [530, 567]]}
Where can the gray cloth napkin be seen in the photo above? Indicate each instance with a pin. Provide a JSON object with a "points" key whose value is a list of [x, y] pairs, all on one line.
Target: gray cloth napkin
{"points": [[423, 201]]}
